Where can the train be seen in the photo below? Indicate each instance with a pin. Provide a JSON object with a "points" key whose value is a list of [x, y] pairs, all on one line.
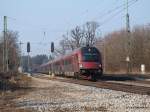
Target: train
{"points": [[84, 62]]}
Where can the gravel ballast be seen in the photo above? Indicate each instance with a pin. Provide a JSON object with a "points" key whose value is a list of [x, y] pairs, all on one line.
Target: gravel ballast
{"points": [[66, 97]]}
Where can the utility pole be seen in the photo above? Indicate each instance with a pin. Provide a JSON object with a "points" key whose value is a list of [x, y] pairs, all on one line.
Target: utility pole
{"points": [[5, 47], [28, 62], [4, 50], [128, 58], [127, 18], [28, 51], [5, 19], [104, 51], [20, 54]]}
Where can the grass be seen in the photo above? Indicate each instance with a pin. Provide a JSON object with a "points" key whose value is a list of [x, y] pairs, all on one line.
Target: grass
{"points": [[12, 86]]}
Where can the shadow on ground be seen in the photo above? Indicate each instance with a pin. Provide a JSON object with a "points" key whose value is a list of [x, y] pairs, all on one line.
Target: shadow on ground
{"points": [[123, 77]]}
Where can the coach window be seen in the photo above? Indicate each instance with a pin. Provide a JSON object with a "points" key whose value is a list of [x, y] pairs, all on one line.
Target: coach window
{"points": [[68, 61], [64, 62]]}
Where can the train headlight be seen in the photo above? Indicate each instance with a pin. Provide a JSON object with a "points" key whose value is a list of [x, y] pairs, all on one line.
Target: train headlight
{"points": [[100, 66], [80, 65]]}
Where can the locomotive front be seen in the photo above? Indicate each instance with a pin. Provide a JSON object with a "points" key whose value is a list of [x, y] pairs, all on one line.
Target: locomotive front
{"points": [[90, 62]]}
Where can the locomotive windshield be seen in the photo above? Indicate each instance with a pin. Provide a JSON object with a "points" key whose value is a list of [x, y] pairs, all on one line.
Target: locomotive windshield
{"points": [[90, 54]]}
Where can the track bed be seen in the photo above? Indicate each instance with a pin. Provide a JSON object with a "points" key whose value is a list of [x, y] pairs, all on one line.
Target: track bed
{"points": [[130, 84]]}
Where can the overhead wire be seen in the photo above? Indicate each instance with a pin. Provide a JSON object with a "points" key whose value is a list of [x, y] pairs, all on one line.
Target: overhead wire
{"points": [[113, 10], [117, 13]]}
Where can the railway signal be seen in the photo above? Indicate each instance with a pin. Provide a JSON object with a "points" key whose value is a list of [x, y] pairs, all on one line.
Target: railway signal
{"points": [[52, 47], [28, 47]]}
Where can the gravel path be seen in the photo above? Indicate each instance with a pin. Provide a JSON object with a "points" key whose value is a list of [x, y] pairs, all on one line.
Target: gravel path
{"points": [[54, 96]]}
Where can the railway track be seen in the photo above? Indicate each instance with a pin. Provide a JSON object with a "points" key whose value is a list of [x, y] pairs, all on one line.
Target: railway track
{"points": [[125, 84]]}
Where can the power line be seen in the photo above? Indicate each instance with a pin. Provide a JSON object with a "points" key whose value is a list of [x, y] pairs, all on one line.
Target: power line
{"points": [[116, 14], [36, 43], [24, 23], [121, 8], [113, 10]]}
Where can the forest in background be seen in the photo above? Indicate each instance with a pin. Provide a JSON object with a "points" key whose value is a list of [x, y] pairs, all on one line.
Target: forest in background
{"points": [[115, 49]]}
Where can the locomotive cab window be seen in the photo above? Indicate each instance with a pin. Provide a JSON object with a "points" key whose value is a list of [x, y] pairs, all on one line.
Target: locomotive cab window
{"points": [[90, 57], [90, 54]]}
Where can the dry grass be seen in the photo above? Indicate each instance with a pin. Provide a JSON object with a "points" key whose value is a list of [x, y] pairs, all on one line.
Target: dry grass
{"points": [[12, 87]]}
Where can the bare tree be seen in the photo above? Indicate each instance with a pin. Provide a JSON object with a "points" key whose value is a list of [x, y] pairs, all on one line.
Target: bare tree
{"points": [[65, 45], [116, 49], [141, 46], [69, 43], [77, 36], [90, 32], [13, 50], [59, 50]]}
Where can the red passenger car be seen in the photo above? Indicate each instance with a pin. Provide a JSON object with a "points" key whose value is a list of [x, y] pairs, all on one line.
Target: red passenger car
{"points": [[83, 62]]}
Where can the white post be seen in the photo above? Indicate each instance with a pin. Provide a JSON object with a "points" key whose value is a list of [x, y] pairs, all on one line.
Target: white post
{"points": [[142, 68]]}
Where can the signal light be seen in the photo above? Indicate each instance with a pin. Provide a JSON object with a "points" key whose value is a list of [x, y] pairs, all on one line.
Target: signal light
{"points": [[52, 46], [28, 47]]}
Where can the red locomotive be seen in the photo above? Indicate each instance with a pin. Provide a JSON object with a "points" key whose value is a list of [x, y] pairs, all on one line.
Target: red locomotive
{"points": [[83, 62]]}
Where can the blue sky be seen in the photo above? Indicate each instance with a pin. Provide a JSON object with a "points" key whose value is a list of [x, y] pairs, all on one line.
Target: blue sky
{"points": [[31, 18]]}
